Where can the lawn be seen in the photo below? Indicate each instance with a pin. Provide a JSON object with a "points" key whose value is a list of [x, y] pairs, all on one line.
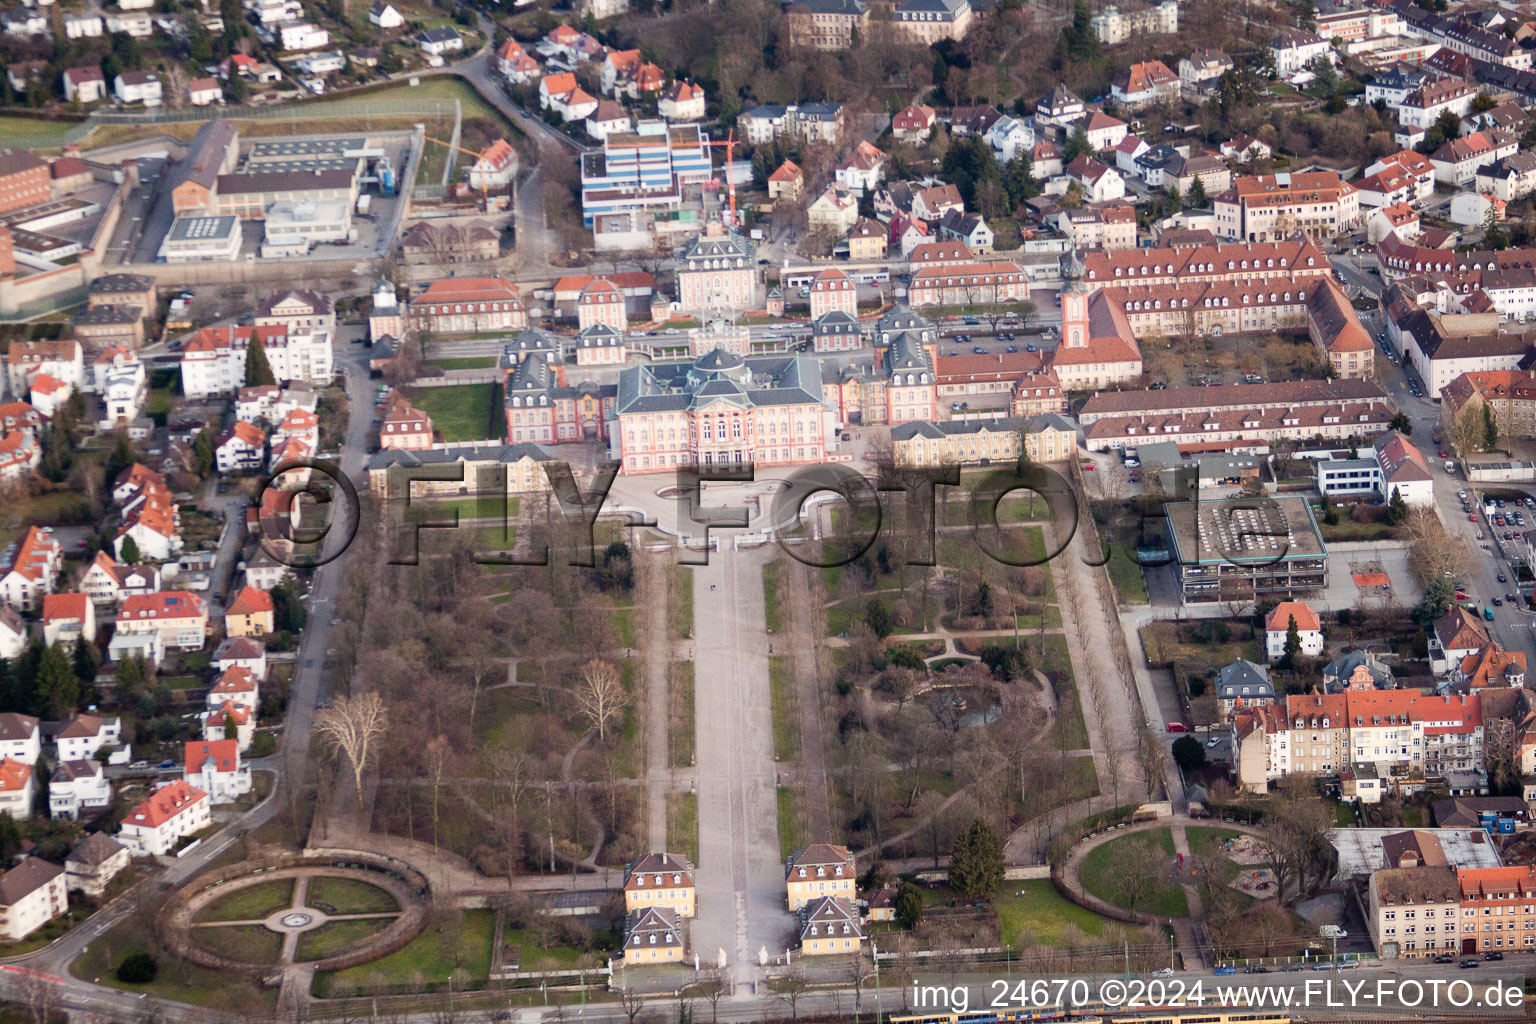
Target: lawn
{"points": [[46, 935], [1209, 841], [1125, 574], [465, 363], [786, 710], [250, 942], [349, 896], [792, 827], [1033, 913], [771, 598], [477, 506], [33, 133], [1057, 665], [461, 413], [533, 957], [252, 903], [680, 601], [429, 960], [683, 824], [1102, 868], [336, 936], [179, 982], [680, 723]]}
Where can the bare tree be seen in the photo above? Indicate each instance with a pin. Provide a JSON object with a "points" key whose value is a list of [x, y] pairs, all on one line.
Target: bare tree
{"points": [[602, 695], [792, 988], [1432, 551], [632, 1002], [713, 986], [435, 759], [352, 726]]}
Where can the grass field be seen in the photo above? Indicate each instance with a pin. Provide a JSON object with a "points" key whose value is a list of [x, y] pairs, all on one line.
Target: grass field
{"points": [[430, 959], [683, 824], [1104, 866], [1033, 913], [771, 598], [786, 709], [323, 117], [336, 936], [462, 413], [534, 957], [252, 903], [349, 896], [680, 601], [249, 942], [181, 982], [680, 721], [466, 363], [792, 827]]}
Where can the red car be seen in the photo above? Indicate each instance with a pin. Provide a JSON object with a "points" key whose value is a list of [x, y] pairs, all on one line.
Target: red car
{"points": [[1471, 517], [1089, 467], [1177, 727]]}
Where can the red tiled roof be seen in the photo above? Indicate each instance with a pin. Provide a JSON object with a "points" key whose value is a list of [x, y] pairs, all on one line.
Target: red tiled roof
{"points": [[250, 601], [64, 607], [167, 604], [225, 755], [1306, 619], [164, 804]]}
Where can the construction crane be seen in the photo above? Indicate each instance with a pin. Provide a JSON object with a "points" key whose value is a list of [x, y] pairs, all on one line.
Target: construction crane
{"points": [[485, 200], [729, 145]]}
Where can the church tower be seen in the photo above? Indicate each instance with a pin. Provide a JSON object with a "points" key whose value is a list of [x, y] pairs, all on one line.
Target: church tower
{"points": [[1074, 305]]}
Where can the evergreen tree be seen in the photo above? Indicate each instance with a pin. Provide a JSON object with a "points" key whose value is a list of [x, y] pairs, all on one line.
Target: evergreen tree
{"points": [[258, 372], [203, 448], [976, 863], [1397, 508], [231, 730], [85, 662], [909, 905], [1196, 198], [1292, 641], [1402, 424], [1490, 430], [58, 691], [121, 457], [131, 674], [878, 617], [24, 685], [288, 613], [8, 699], [130, 551]]}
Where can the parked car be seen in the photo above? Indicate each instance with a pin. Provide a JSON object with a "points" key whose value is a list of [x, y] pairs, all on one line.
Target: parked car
{"points": [[1445, 958], [1495, 955], [1466, 964], [1228, 969], [1177, 727]]}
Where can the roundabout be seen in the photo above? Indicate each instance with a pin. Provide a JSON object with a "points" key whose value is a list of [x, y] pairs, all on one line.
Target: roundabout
{"points": [[330, 912]]}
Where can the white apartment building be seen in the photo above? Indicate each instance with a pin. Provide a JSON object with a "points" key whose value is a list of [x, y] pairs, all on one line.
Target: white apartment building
{"points": [[20, 738], [31, 894], [78, 786], [214, 767], [83, 735], [155, 826]]}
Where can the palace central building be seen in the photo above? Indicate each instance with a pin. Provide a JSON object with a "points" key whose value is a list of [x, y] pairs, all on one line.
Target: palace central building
{"points": [[721, 410]]}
